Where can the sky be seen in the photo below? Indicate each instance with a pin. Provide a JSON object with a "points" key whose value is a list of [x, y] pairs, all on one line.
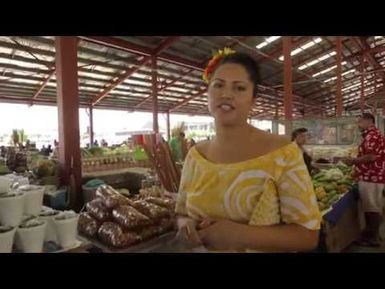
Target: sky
{"points": [[44, 120], [37, 119]]}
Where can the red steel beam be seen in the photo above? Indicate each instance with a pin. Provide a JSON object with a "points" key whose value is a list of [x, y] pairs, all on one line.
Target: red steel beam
{"points": [[186, 100], [168, 125], [163, 87], [362, 96], [339, 77], [91, 117], [231, 45], [331, 100], [363, 45], [288, 97], [278, 52], [68, 109], [165, 44], [154, 81], [44, 84], [138, 49]]}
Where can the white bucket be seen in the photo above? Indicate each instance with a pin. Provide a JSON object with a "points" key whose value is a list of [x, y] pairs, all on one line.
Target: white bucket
{"points": [[66, 231], [11, 210], [6, 241], [33, 200], [50, 233], [31, 240], [5, 184]]}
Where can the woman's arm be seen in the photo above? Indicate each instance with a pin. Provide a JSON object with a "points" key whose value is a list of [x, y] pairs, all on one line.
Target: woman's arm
{"points": [[228, 235]]}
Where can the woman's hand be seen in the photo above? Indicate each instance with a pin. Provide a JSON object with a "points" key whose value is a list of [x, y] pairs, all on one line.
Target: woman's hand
{"points": [[219, 234], [187, 231]]}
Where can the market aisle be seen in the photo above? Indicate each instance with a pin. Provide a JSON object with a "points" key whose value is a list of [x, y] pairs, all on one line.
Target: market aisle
{"points": [[359, 249]]}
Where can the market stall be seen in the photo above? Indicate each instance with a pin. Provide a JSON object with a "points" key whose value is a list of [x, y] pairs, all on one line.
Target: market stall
{"points": [[337, 198]]}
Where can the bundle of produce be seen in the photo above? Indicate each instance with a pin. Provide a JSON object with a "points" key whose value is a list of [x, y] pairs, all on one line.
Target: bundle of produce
{"points": [[154, 212], [113, 235], [118, 221], [162, 202], [130, 218], [110, 197], [330, 184], [98, 210], [88, 226]]}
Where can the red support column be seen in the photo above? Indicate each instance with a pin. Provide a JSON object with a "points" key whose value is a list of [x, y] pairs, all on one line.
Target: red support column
{"points": [[91, 116], [339, 77], [168, 126], [362, 98], [68, 109], [155, 94], [288, 97]]}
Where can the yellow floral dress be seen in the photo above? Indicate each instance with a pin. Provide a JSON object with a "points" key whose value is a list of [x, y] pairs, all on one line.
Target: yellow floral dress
{"points": [[271, 189]]}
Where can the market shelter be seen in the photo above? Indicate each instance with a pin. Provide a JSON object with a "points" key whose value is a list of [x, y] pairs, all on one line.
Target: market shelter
{"points": [[323, 77]]}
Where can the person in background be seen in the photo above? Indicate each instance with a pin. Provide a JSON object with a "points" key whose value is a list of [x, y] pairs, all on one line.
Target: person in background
{"points": [[178, 146], [104, 143], [49, 150], [369, 170], [183, 144], [55, 143], [96, 144], [299, 137]]}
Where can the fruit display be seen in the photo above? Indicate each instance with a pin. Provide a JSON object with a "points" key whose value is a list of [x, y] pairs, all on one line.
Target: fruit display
{"points": [[329, 152], [117, 221], [331, 184], [103, 158]]}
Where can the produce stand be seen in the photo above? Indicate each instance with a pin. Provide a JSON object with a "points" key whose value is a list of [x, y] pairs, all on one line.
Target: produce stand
{"points": [[150, 246], [337, 197], [341, 225]]}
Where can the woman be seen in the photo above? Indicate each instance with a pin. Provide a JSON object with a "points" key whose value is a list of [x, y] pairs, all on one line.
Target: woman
{"points": [[299, 136], [245, 189]]}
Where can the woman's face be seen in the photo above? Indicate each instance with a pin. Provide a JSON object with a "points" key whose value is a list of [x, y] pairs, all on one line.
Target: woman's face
{"points": [[230, 94], [301, 138]]}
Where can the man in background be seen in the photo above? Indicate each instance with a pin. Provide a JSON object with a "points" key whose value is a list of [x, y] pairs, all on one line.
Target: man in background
{"points": [[370, 173], [299, 137]]}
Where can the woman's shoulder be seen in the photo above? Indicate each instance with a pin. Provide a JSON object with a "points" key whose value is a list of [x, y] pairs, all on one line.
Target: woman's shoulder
{"points": [[202, 147], [272, 142]]}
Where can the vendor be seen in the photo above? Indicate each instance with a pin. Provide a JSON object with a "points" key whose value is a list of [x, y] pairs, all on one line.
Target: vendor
{"points": [[299, 137], [245, 189], [370, 173]]}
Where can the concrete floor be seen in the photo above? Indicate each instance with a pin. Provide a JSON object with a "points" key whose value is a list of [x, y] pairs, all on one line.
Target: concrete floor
{"points": [[358, 249]]}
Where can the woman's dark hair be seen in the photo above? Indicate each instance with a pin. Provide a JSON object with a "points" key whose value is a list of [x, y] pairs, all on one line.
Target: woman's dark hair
{"points": [[248, 63], [296, 132]]}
